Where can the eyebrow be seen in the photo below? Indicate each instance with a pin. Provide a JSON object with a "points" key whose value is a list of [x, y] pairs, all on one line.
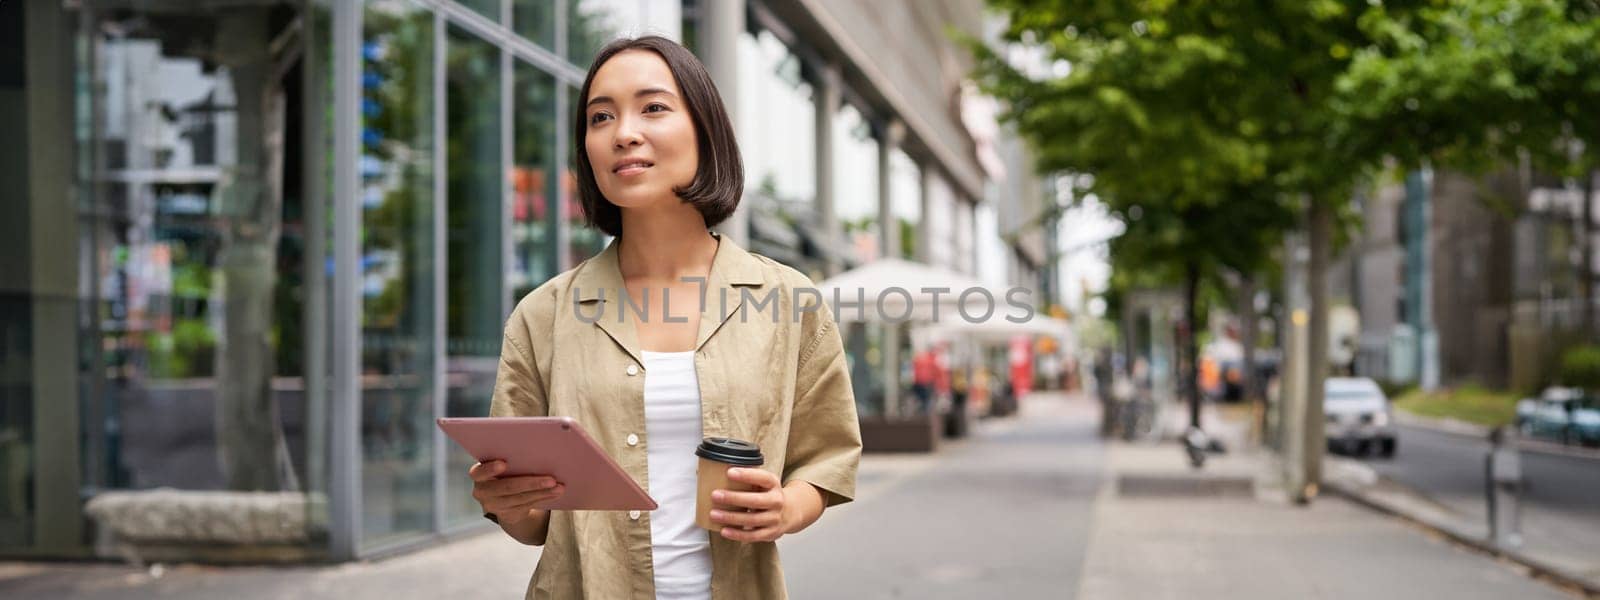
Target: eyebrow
{"points": [[650, 91]]}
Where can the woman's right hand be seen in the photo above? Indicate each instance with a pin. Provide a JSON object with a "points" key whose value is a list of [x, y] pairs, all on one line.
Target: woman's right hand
{"points": [[511, 499]]}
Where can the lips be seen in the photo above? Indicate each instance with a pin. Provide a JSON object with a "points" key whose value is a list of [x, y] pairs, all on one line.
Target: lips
{"points": [[631, 166]]}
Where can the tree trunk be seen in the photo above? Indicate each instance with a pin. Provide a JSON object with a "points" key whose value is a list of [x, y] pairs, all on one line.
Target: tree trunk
{"points": [[1247, 342], [249, 439], [1191, 353], [1317, 344], [1586, 245]]}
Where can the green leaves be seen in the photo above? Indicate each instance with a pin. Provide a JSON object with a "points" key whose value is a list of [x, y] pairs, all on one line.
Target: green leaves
{"points": [[1209, 115]]}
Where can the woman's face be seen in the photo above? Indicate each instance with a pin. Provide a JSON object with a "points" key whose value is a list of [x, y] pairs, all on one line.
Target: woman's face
{"points": [[640, 138]]}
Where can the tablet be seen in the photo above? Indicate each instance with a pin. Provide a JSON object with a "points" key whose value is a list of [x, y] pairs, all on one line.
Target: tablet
{"points": [[556, 446]]}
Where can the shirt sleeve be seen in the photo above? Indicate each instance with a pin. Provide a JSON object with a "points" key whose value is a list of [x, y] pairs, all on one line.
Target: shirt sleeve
{"points": [[518, 387], [824, 436]]}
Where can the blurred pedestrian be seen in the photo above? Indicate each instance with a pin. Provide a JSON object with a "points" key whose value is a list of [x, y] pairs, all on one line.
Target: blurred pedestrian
{"points": [[657, 166], [924, 372]]}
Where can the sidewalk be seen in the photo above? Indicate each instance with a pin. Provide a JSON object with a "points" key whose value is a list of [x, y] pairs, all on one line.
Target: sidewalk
{"points": [[1162, 531], [1555, 545], [1001, 514], [1032, 506], [1005, 510], [482, 566]]}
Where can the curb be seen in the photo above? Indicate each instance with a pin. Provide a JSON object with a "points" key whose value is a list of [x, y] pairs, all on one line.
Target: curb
{"points": [[1462, 428], [1538, 569]]}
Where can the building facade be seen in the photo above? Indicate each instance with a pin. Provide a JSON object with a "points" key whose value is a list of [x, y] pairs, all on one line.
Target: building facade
{"points": [[260, 246]]}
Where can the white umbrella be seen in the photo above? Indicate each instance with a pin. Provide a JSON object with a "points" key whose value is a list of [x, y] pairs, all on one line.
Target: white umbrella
{"points": [[996, 329], [890, 283]]}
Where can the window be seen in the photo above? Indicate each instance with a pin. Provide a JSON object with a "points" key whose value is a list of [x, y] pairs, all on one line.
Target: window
{"points": [[535, 20], [476, 302], [533, 178], [487, 8], [777, 125], [905, 200], [855, 183], [398, 267], [592, 24]]}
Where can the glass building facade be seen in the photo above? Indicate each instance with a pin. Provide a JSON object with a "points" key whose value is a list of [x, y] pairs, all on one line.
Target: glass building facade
{"points": [[259, 246], [226, 204]]}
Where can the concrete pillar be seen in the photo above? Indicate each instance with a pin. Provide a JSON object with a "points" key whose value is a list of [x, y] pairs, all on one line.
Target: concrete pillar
{"points": [[925, 176], [893, 134], [721, 24], [828, 99], [52, 256]]}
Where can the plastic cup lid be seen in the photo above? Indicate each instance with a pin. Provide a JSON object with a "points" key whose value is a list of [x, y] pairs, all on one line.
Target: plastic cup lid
{"points": [[731, 451]]}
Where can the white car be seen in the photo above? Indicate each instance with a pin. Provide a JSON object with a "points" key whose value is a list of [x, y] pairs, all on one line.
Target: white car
{"points": [[1528, 409], [1359, 418]]}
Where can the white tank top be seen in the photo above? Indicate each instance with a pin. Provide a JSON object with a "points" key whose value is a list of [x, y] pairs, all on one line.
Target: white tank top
{"points": [[680, 550]]}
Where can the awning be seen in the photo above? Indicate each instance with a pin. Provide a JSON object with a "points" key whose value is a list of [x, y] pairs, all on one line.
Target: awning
{"points": [[995, 330], [879, 291]]}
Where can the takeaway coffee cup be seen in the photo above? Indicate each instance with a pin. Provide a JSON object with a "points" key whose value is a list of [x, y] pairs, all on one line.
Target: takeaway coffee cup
{"points": [[716, 455]]}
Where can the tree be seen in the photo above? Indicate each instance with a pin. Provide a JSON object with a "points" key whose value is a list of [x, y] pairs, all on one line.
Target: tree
{"points": [[1301, 102], [1199, 246], [1191, 104], [1474, 86], [1202, 114]]}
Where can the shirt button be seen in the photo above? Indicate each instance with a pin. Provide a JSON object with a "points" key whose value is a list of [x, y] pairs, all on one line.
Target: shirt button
{"points": [[633, 439], [633, 514], [633, 370]]}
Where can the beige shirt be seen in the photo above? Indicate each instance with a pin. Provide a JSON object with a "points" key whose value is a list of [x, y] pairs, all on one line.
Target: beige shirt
{"points": [[771, 368]]}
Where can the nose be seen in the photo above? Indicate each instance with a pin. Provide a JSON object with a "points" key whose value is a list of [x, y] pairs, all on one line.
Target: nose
{"points": [[624, 134]]}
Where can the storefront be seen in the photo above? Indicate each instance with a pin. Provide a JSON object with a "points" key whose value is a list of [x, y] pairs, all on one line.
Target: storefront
{"points": [[257, 247], [252, 209]]}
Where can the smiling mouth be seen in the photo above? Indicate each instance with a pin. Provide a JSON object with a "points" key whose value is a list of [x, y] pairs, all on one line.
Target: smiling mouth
{"points": [[632, 168]]}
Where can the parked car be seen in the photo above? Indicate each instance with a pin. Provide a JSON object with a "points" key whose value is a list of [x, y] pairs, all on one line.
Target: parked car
{"points": [[1586, 423], [1359, 417], [1528, 408], [1566, 415]]}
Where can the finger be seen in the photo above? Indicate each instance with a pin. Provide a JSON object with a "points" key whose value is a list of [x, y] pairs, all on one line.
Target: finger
{"points": [[753, 520], [525, 500], [486, 471], [761, 479], [751, 500], [765, 534], [507, 486]]}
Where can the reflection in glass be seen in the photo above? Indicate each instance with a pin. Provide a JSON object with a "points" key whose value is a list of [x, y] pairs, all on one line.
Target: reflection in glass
{"points": [[475, 281], [583, 241], [593, 23], [535, 20], [191, 253], [855, 183], [397, 270], [778, 145], [533, 178], [777, 136], [863, 344], [487, 8]]}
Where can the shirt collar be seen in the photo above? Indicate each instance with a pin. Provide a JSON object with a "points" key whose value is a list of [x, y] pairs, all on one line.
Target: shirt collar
{"points": [[730, 266]]}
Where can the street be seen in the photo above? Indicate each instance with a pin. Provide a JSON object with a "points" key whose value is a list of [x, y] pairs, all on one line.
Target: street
{"points": [[1561, 511]]}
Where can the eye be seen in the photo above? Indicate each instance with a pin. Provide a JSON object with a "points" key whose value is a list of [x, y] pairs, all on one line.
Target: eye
{"points": [[655, 105], [596, 117]]}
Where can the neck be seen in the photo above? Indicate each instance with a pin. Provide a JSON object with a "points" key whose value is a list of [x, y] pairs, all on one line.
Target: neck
{"points": [[665, 243]]}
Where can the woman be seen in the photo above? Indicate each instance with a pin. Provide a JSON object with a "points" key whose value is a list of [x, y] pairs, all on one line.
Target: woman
{"points": [[672, 333]]}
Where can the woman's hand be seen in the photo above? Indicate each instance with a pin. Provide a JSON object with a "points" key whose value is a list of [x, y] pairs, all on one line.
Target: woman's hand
{"points": [[511, 499], [762, 515]]}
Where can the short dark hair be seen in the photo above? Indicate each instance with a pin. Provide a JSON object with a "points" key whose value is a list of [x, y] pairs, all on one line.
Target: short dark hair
{"points": [[719, 181]]}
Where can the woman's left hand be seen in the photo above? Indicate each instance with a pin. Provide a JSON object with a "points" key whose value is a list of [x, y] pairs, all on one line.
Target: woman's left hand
{"points": [[764, 518]]}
